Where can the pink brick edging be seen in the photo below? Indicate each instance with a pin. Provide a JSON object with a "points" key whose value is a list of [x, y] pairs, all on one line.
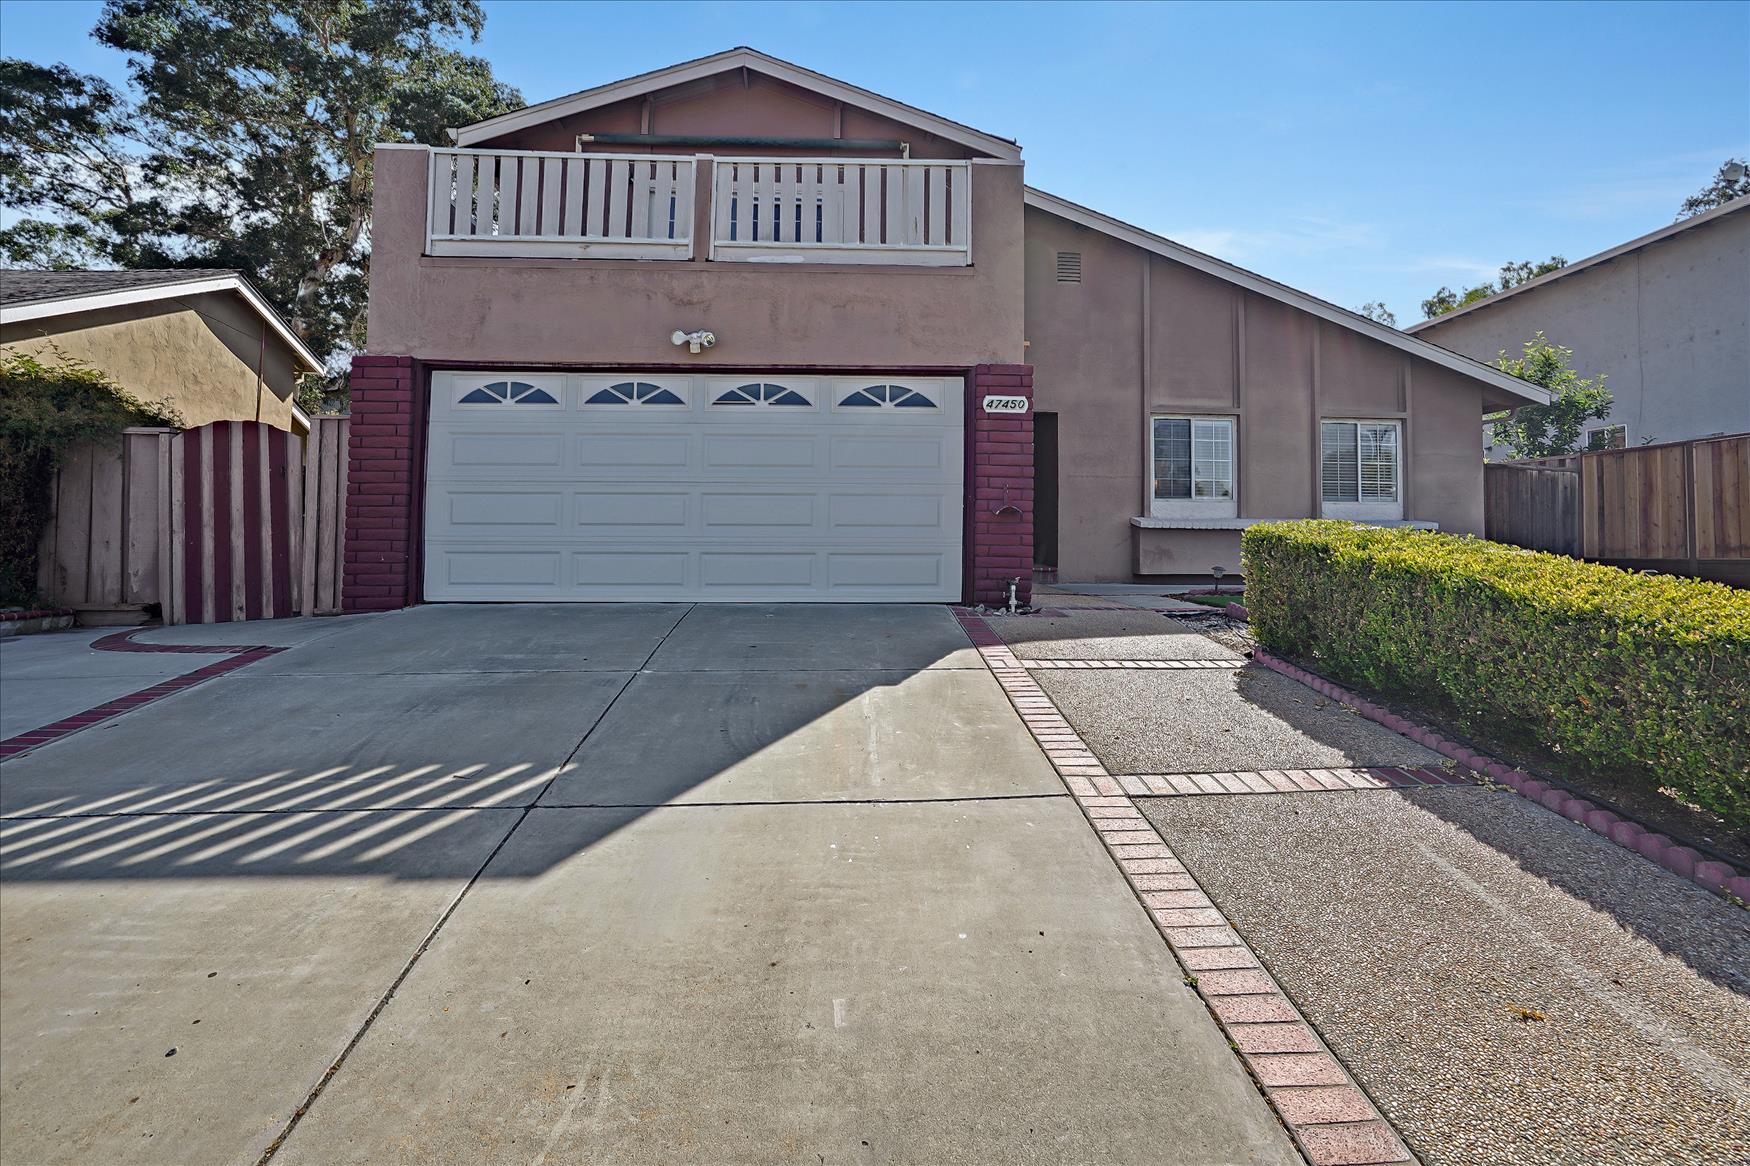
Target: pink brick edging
{"points": [[1332, 1121], [123, 642], [38, 613], [1718, 877]]}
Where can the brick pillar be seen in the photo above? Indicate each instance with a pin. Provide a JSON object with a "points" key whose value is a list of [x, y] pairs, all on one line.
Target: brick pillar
{"points": [[380, 486], [1000, 501]]}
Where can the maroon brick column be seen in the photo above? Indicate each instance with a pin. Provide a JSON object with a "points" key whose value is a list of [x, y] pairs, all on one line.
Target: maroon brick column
{"points": [[999, 504], [380, 486]]}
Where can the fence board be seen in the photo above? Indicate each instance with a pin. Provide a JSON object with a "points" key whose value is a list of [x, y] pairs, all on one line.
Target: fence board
{"points": [[1676, 506]]}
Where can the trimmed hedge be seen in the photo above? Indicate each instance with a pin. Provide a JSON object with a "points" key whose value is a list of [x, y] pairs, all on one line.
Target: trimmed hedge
{"points": [[1646, 675]]}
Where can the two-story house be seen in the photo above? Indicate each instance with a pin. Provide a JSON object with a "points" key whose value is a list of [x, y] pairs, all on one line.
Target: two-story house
{"points": [[736, 330], [1665, 318]]}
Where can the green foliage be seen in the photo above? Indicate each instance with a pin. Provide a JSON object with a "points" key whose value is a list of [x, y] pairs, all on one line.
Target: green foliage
{"points": [[46, 410], [1642, 675], [1554, 429], [1731, 181], [1511, 276], [1377, 311], [250, 144]]}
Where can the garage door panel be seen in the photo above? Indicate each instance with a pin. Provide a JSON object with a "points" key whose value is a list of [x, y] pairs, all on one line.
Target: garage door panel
{"points": [[504, 449], [504, 508], [757, 570], [606, 512], [631, 451], [757, 500], [654, 569], [902, 453], [884, 569]]}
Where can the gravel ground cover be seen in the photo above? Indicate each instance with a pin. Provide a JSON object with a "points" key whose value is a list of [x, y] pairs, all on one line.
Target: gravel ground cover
{"points": [[1508, 987], [1247, 719], [1107, 635]]}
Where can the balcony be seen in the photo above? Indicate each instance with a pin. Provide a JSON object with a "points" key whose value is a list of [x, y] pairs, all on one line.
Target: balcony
{"points": [[642, 206]]}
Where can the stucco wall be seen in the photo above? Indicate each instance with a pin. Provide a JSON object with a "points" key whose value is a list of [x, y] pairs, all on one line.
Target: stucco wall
{"points": [[1209, 347], [621, 312], [1668, 324], [200, 352]]}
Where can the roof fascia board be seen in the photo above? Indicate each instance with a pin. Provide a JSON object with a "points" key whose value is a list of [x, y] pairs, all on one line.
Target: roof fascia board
{"points": [[1663, 233], [1269, 288], [68, 305], [721, 62]]}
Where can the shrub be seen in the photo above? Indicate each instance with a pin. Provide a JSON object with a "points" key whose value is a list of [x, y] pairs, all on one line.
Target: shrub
{"points": [[46, 410], [1646, 675]]}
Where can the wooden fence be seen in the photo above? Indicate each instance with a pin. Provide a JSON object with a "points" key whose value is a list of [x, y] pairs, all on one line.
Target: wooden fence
{"points": [[1680, 506], [230, 521], [1532, 507]]}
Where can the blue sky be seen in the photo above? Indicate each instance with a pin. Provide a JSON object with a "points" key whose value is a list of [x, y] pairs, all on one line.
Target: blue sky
{"points": [[1357, 151]]}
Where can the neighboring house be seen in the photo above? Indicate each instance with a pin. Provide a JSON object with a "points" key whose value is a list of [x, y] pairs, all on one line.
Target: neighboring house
{"points": [[1665, 317], [735, 330], [203, 340]]}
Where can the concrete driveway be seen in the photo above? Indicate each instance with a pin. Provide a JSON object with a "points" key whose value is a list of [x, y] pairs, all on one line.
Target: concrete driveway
{"points": [[618, 883]]}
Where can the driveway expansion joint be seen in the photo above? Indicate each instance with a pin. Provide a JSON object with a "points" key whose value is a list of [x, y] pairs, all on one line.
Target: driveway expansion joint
{"points": [[1683, 861], [1330, 1117]]}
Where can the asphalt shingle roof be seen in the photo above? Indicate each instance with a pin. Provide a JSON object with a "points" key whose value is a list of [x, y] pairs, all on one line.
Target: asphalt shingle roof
{"points": [[31, 287]]}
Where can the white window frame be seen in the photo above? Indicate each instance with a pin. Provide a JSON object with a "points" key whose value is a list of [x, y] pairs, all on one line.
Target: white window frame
{"points": [[1195, 507], [1364, 509], [1586, 437]]}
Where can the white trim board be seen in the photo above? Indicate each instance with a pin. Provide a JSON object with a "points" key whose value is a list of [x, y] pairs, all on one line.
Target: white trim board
{"points": [[68, 305], [739, 57], [1663, 233], [1526, 392]]}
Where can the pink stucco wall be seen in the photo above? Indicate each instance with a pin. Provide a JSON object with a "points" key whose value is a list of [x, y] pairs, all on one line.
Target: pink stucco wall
{"points": [[621, 312], [1104, 364]]}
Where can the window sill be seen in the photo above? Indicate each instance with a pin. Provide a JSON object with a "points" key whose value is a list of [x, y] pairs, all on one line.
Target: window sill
{"points": [[1243, 523]]}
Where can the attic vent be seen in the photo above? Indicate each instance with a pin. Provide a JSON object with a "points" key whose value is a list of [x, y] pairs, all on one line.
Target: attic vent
{"points": [[1069, 267]]}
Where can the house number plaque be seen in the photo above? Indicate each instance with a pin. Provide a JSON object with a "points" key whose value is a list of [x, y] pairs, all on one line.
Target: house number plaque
{"points": [[1005, 404]]}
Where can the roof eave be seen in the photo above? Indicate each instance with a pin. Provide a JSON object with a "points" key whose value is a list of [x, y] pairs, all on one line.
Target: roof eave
{"points": [[702, 67], [68, 305], [1706, 217], [1525, 392]]}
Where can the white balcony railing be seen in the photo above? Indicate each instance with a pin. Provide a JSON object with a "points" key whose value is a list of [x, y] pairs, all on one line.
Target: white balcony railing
{"points": [[838, 210], [519, 202], [640, 206]]}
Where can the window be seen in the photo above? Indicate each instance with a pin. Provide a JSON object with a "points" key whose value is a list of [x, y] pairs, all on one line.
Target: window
{"points": [[761, 394], [886, 397], [1193, 467], [1607, 437], [508, 393], [1358, 469], [633, 393]]}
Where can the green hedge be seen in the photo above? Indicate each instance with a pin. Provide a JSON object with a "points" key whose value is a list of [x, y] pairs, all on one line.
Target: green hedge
{"points": [[1646, 675]]}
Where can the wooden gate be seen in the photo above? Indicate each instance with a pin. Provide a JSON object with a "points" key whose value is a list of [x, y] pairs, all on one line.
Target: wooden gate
{"points": [[255, 521]]}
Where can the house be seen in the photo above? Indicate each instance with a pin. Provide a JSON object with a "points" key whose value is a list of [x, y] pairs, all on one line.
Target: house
{"points": [[1665, 317], [203, 339], [736, 330]]}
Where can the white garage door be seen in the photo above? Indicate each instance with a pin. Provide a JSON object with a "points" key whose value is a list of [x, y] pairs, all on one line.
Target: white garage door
{"points": [[546, 486]]}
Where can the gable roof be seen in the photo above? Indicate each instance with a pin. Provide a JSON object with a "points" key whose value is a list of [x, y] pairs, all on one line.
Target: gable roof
{"points": [[1736, 206], [44, 295], [1523, 391], [736, 58]]}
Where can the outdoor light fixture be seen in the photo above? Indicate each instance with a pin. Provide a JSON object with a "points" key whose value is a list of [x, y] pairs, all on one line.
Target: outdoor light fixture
{"points": [[694, 340], [1218, 572]]}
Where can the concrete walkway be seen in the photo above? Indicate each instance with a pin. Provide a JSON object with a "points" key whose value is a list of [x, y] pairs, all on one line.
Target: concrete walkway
{"points": [[1508, 987], [630, 883]]}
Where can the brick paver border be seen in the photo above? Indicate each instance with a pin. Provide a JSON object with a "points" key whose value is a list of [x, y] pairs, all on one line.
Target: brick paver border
{"points": [[1147, 665], [239, 656], [1683, 861], [1332, 1121]]}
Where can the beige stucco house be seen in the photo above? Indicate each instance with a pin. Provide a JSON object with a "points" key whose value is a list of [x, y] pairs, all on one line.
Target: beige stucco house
{"points": [[736, 330], [204, 340], [1665, 317]]}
